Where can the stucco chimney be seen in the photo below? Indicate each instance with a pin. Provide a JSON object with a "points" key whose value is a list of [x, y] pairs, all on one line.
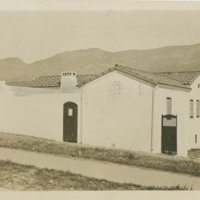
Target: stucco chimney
{"points": [[68, 81]]}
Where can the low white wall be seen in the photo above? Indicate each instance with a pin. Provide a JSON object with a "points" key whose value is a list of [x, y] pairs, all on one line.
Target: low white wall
{"points": [[193, 123], [179, 108], [122, 121], [39, 115], [117, 121]]}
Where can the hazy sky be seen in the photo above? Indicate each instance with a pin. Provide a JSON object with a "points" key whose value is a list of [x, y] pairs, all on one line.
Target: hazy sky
{"points": [[33, 35]]}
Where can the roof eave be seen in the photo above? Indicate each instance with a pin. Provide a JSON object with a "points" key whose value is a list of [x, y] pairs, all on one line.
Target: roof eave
{"points": [[175, 87]]}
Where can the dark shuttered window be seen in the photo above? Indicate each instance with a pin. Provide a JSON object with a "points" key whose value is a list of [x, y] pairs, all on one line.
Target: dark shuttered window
{"points": [[169, 106], [198, 108], [191, 108]]}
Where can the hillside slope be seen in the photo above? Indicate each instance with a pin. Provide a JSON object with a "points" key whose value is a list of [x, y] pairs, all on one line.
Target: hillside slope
{"points": [[87, 61]]}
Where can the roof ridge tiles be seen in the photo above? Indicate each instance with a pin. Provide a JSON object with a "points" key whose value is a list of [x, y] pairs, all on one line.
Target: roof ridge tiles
{"points": [[152, 77]]}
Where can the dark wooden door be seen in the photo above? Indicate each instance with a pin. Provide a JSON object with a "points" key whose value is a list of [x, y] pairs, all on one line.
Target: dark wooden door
{"points": [[169, 134], [70, 119]]}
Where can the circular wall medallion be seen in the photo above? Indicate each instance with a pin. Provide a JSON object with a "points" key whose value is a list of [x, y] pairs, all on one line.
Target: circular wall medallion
{"points": [[115, 88]]}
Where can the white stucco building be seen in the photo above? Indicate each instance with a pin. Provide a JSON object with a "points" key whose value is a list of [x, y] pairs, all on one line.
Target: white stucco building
{"points": [[120, 108]]}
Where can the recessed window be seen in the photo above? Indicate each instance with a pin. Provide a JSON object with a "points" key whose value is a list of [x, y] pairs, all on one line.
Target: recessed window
{"points": [[169, 106], [191, 108], [198, 108], [196, 139], [70, 112]]}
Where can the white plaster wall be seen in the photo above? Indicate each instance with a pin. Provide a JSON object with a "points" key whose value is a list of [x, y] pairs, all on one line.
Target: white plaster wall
{"points": [[179, 108], [39, 115], [121, 122], [103, 120], [193, 123]]}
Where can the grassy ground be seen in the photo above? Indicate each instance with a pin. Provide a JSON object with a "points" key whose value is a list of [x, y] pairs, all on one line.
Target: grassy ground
{"points": [[22, 177], [147, 160]]}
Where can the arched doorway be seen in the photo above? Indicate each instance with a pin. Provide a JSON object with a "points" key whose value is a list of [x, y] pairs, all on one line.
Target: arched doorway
{"points": [[70, 122]]}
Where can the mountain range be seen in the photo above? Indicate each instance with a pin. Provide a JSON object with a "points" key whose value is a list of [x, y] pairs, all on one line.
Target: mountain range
{"points": [[93, 60]]}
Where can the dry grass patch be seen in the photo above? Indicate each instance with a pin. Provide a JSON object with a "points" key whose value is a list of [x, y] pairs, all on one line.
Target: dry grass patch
{"points": [[23, 177], [147, 160]]}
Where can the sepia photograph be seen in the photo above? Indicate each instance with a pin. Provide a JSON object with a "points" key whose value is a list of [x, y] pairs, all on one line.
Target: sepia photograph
{"points": [[100, 99]]}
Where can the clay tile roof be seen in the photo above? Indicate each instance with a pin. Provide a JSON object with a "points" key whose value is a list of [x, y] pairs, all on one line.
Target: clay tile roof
{"points": [[41, 82], [186, 78], [174, 79], [49, 81], [157, 78], [153, 78]]}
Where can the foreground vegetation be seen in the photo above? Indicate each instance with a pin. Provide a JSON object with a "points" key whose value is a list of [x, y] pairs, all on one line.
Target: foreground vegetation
{"points": [[23, 177], [147, 160]]}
